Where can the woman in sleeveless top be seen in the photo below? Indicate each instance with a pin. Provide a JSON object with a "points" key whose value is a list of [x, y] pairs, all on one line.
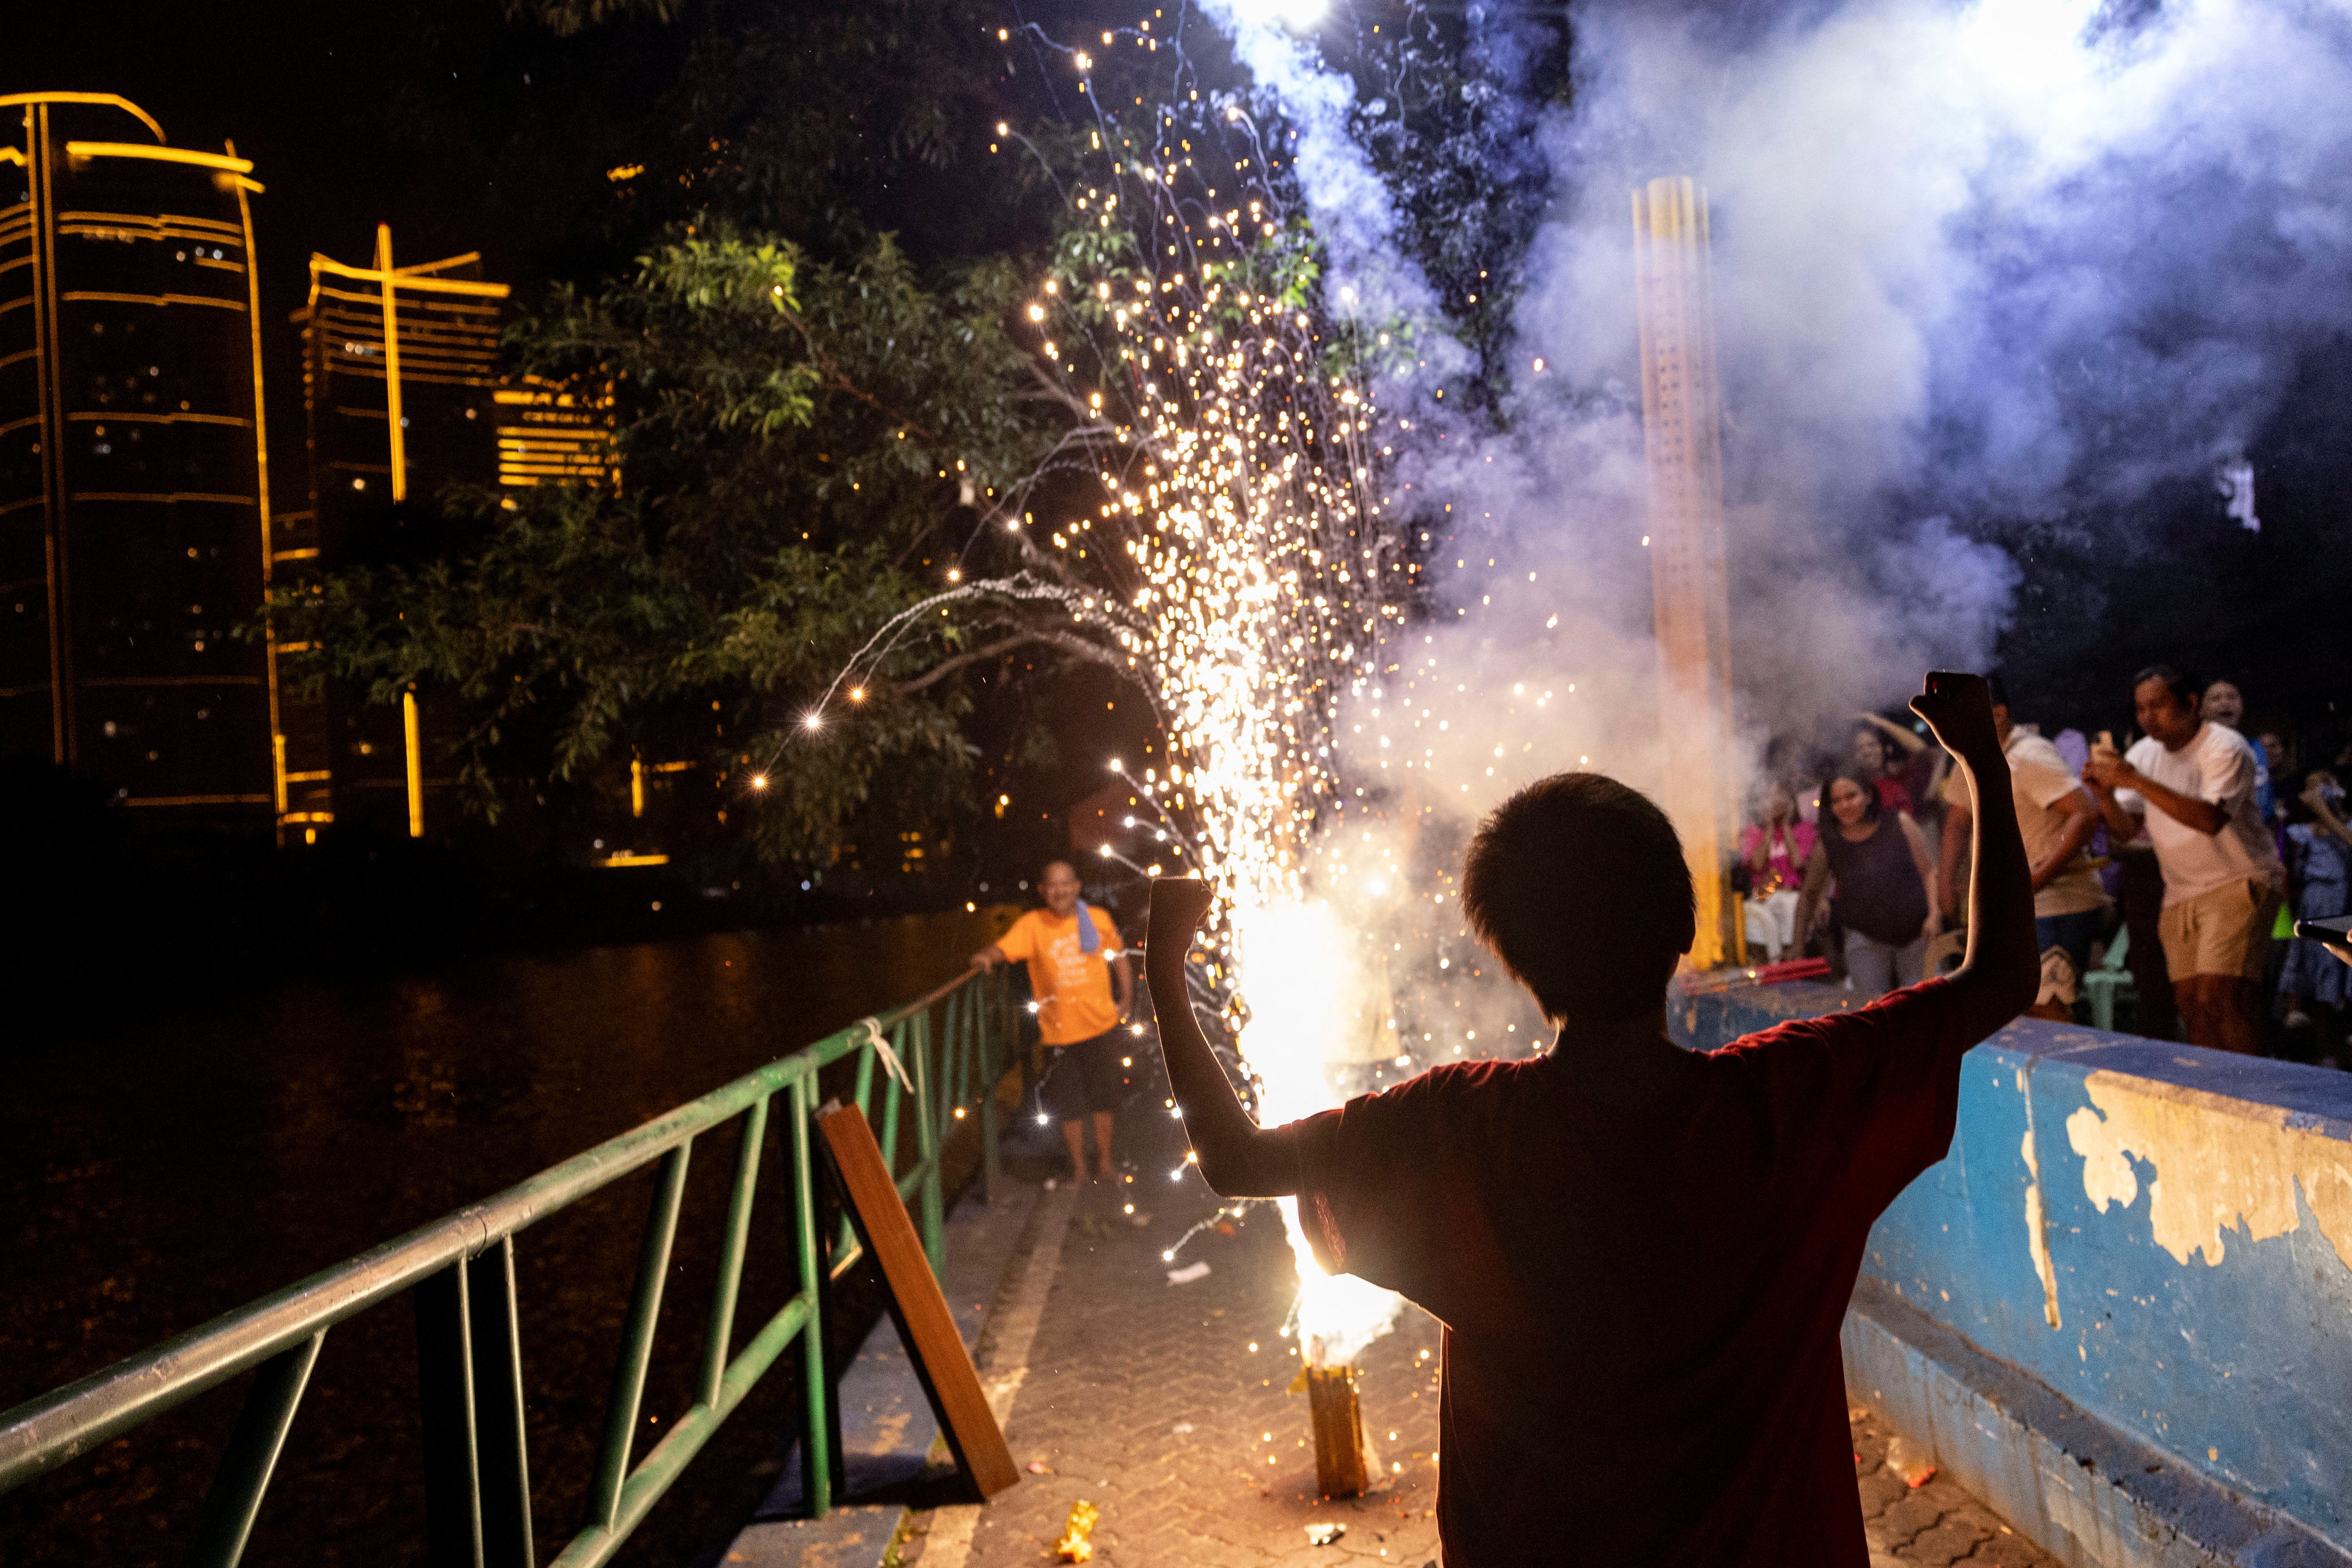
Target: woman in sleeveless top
{"points": [[1885, 885]]}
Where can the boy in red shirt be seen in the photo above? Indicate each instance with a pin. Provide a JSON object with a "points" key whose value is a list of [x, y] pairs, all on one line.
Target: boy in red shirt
{"points": [[1642, 1255]]}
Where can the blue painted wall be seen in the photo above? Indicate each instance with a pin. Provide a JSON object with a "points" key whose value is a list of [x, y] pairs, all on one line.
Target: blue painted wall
{"points": [[2240, 1365]]}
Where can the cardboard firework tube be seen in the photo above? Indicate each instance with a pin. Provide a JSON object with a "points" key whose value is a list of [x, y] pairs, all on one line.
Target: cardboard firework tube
{"points": [[1344, 1466]]}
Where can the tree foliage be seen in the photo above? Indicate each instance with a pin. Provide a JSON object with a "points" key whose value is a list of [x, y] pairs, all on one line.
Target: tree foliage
{"points": [[858, 482], [795, 443]]}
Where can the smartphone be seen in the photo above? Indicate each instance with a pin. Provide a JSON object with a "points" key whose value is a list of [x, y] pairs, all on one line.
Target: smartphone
{"points": [[2336, 929]]}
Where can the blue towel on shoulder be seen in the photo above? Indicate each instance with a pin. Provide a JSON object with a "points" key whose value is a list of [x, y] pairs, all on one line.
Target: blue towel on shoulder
{"points": [[1089, 937]]}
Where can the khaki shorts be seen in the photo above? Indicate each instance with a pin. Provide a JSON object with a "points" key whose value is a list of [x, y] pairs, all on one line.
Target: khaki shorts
{"points": [[2226, 932]]}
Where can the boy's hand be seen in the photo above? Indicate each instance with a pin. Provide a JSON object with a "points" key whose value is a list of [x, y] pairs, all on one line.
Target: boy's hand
{"points": [[1958, 709], [1177, 905]]}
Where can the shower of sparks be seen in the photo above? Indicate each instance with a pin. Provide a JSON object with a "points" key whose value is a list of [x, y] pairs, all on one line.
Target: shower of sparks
{"points": [[1214, 526]]}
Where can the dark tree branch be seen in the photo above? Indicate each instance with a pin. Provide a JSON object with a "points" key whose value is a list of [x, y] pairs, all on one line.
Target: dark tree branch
{"points": [[837, 380]]}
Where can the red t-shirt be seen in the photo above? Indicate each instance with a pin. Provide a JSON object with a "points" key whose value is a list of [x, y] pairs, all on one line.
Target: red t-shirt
{"points": [[1642, 1304]]}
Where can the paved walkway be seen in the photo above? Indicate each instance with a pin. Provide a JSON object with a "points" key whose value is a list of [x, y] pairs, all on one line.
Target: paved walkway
{"points": [[1933, 1524], [1168, 1407]]}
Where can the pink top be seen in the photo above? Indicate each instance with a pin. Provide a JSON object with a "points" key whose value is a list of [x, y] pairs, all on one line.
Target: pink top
{"points": [[1791, 847]]}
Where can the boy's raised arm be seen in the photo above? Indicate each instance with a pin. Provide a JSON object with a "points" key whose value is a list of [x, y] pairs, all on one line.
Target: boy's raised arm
{"points": [[1238, 1158], [2002, 972]]}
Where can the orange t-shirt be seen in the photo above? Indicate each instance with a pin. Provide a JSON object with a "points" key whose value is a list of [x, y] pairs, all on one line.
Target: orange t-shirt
{"points": [[1072, 987]]}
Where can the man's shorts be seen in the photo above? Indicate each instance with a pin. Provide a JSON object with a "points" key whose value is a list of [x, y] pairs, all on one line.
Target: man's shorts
{"points": [[1085, 1077], [2225, 932]]}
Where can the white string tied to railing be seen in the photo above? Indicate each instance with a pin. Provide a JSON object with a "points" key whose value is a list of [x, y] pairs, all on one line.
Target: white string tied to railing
{"points": [[881, 1047]]}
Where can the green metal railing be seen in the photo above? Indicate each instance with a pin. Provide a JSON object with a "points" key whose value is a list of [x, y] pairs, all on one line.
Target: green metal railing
{"points": [[461, 1270]]}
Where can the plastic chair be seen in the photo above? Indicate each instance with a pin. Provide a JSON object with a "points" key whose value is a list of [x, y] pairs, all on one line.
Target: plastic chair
{"points": [[2108, 979]]}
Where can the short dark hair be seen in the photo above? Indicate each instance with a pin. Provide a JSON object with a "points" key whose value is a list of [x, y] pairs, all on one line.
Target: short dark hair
{"points": [[1871, 798], [2185, 692], [1579, 885]]}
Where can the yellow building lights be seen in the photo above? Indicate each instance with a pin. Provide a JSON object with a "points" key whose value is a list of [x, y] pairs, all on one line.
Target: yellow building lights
{"points": [[548, 435]]}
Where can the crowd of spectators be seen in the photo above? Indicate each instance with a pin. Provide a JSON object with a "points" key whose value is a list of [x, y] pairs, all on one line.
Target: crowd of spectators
{"points": [[2176, 862]]}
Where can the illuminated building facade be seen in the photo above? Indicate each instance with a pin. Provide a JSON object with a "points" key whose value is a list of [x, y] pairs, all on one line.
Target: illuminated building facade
{"points": [[134, 501], [403, 398], [401, 390]]}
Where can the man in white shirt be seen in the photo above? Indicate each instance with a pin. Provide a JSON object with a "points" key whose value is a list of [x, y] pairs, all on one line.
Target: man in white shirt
{"points": [[2191, 784], [2057, 816]]}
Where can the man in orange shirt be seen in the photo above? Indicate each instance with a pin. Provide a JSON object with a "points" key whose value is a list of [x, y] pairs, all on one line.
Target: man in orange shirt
{"points": [[1079, 974]]}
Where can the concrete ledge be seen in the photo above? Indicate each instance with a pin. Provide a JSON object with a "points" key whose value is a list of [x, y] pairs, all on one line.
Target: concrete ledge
{"points": [[2084, 1492], [2156, 1236]]}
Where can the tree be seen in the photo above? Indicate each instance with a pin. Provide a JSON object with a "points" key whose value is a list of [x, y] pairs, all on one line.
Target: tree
{"points": [[854, 492]]}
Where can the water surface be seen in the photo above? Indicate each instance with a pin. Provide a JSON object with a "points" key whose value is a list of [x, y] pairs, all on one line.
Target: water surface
{"points": [[153, 1178]]}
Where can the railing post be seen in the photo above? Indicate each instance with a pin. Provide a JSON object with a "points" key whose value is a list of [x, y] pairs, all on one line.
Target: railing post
{"points": [[939, 1091], [925, 1069], [235, 1501], [892, 1095], [637, 1342], [817, 1443], [444, 1381], [731, 1252], [984, 1023], [955, 1073], [847, 1238], [501, 1453]]}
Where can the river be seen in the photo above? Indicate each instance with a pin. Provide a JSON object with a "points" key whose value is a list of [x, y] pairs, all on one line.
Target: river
{"points": [[155, 1177]]}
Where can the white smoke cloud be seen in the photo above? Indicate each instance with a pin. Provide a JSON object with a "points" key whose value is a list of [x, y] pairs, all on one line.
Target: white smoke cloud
{"points": [[1974, 263]]}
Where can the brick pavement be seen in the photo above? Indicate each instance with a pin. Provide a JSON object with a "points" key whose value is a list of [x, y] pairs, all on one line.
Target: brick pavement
{"points": [[1168, 1407], [1149, 1400], [1932, 1525]]}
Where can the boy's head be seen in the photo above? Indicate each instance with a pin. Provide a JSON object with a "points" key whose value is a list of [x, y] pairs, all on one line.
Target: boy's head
{"points": [[1578, 884]]}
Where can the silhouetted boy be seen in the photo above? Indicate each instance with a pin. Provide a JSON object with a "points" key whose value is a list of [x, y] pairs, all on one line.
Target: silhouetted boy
{"points": [[1642, 1255]]}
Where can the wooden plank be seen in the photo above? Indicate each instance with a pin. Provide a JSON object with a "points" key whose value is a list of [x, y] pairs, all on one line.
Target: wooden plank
{"points": [[926, 1326]]}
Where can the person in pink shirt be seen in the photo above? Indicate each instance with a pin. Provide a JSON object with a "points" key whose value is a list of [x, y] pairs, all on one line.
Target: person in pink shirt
{"points": [[1774, 852]]}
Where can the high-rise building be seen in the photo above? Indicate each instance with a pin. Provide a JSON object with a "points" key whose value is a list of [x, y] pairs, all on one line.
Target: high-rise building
{"points": [[400, 384], [134, 501]]}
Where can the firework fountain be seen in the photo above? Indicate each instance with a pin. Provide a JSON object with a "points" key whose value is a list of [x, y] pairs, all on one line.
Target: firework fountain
{"points": [[1239, 562]]}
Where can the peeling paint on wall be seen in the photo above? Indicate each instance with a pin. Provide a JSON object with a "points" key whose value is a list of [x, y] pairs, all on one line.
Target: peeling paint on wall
{"points": [[2219, 1163], [2037, 1239]]}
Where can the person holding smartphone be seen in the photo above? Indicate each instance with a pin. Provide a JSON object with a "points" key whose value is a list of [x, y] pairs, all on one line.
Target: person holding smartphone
{"points": [[2191, 784]]}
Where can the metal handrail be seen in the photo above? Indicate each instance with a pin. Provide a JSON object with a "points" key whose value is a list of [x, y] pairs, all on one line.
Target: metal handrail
{"points": [[461, 1271]]}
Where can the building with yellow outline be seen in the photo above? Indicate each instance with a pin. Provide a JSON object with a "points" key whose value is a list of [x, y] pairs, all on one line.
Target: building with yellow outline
{"points": [[402, 396], [399, 377], [134, 501]]}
